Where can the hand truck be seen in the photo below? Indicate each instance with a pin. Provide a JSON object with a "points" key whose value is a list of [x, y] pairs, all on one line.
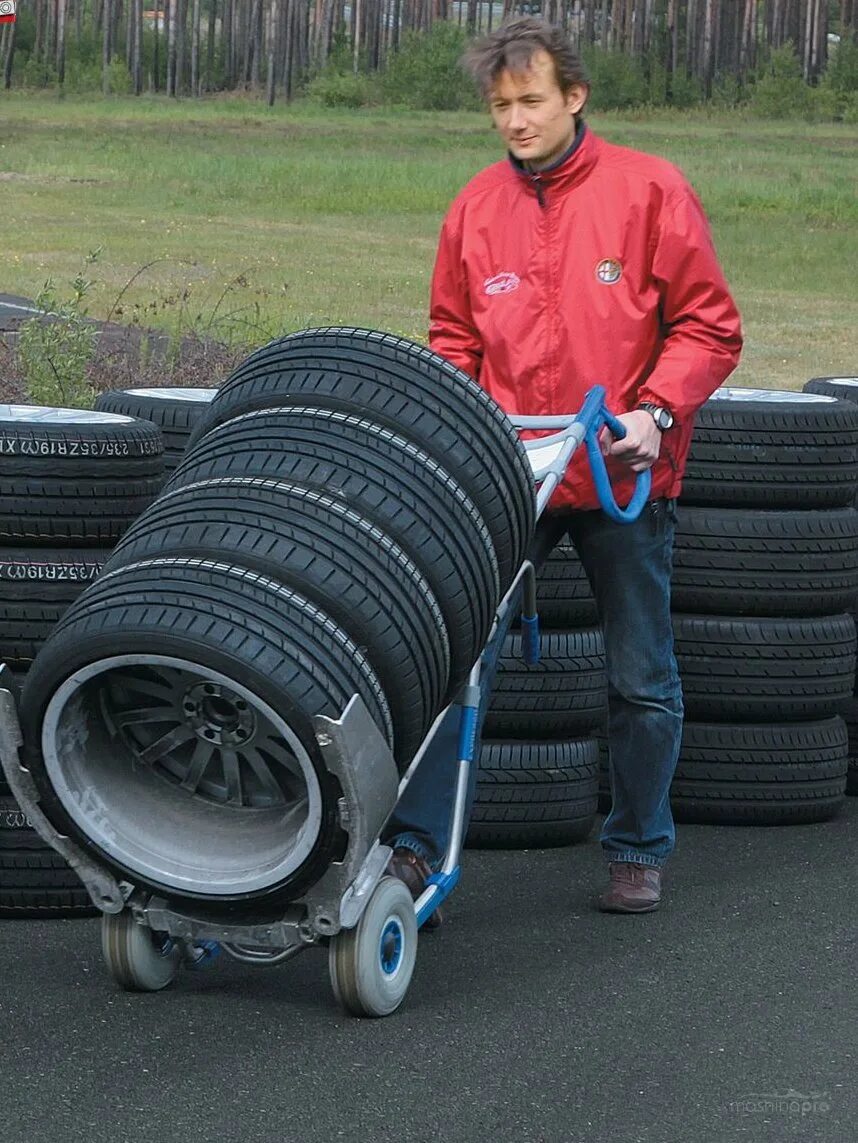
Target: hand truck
{"points": [[366, 918]]}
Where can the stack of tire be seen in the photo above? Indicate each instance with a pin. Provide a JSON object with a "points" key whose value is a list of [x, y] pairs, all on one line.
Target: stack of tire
{"points": [[539, 764], [174, 410], [345, 519], [846, 389], [765, 578], [71, 482]]}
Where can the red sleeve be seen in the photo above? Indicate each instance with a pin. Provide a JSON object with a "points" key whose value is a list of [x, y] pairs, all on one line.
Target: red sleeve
{"points": [[702, 328], [451, 328]]}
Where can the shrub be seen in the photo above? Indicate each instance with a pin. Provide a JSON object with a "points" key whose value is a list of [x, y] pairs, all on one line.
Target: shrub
{"points": [[54, 354], [780, 92], [332, 88], [841, 74], [617, 80], [849, 109], [426, 73], [838, 88]]}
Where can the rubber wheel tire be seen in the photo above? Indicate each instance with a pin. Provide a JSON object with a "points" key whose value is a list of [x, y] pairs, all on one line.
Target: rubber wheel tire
{"points": [[563, 695], [339, 560], [74, 474], [760, 448], [764, 669], [563, 594], [36, 587], [228, 620], [534, 795], [849, 714], [407, 388], [34, 880], [132, 954], [843, 388], [746, 562], [774, 774], [174, 410], [368, 978], [389, 481]]}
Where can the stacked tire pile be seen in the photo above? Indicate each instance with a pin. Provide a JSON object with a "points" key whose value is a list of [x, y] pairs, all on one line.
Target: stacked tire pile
{"points": [[348, 513], [71, 482], [846, 389], [174, 410], [765, 577], [539, 763]]}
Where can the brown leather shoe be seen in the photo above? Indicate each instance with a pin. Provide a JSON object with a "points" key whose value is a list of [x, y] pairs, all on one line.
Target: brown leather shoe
{"points": [[413, 870], [634, 888]]}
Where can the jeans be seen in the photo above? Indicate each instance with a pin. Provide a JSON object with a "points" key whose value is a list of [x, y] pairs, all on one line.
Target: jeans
{"points": [[629, 567]]}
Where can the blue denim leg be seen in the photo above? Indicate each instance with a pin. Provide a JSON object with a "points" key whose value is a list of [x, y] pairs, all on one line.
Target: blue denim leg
{"points": [[629, 567], [423, 815]]}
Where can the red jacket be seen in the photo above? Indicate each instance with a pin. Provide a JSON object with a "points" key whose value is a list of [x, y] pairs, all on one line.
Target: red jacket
{"points": [[600, 270]]}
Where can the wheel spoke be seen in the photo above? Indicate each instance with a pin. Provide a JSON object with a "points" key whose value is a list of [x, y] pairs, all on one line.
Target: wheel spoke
{"points": [[261, 769], [275, 748], [138, 715], [232, 777], [197, 766], [165, 744], [154, 688]]}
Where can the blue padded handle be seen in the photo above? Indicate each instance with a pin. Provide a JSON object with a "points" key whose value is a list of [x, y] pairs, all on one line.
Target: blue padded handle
{"points": [[595, 415]]}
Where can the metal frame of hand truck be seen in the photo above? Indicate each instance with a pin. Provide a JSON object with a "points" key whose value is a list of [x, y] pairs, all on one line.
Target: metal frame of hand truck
{"points": [[370, 970]]}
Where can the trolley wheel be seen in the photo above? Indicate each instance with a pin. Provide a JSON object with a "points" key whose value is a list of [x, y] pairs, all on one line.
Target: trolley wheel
{"points": [[371, 965], [139, 959]]}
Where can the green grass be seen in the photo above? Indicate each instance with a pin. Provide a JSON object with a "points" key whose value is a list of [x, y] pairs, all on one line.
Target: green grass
{"points": [[333, 216]]}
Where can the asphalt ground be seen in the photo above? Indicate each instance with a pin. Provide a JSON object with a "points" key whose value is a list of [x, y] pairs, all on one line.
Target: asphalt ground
{"points": [[532, 1018], [14, 310]]}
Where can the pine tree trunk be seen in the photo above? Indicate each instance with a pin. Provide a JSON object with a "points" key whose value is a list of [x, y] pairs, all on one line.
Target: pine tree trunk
{"points": [[706, 62], [170, 9], [226, 36], [289, 48], [10, 56], [181, 24], [137, 68], [156, 53], [129, 35], [208, 82], [356, 15], [256, 57], [195, 49], [670, 45], [61, 42], [105, 48], [691, 40], [271, 37]]}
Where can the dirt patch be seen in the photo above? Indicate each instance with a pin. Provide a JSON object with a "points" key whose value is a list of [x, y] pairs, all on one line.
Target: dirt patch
{"points": [[128, 356]]}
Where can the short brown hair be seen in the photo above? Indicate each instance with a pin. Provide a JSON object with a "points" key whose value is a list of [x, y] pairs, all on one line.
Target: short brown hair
{"points": [[513, 45]]}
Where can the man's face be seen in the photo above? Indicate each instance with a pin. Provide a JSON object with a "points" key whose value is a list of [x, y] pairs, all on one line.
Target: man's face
{"points": [[534, 117]]}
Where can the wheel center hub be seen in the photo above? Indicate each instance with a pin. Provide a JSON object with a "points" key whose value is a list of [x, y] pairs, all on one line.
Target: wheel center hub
{"points": [[218, 715]]}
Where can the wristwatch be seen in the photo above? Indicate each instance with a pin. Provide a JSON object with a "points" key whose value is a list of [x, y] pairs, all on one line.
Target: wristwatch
{"points": [[663, 417]]}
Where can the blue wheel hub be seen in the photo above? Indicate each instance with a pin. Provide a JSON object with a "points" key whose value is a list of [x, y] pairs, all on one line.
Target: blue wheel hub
{"points": [[390, 947]]}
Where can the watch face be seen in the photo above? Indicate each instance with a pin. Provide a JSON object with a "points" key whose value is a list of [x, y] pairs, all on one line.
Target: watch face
{"points": [[663, 419]]}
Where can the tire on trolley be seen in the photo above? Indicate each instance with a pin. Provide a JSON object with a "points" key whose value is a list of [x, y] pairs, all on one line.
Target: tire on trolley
{"points": [[372, 964]]}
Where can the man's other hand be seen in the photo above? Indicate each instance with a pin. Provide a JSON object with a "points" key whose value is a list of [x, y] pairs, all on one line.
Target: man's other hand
{"points": [[639, 447]]}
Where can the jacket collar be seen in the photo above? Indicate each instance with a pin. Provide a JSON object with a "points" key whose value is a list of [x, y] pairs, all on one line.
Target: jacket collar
{"points": [[571, 168]]}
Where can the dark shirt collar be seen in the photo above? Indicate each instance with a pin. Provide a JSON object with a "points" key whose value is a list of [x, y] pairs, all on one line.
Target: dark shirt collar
{"points": [[573, 165]]}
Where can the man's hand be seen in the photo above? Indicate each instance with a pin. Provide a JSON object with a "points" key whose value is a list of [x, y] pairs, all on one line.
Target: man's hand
{"points": [[640, 446]]}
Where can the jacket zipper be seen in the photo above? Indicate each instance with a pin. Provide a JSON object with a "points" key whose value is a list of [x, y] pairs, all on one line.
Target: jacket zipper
{"points": [[537, 186]]}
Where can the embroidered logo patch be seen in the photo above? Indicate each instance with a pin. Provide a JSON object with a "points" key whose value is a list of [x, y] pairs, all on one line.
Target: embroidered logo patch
{"points": [[609, 271], [502, 283]]}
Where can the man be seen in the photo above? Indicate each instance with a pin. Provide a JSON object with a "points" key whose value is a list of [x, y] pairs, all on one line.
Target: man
{"points": [[571, 263]]}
